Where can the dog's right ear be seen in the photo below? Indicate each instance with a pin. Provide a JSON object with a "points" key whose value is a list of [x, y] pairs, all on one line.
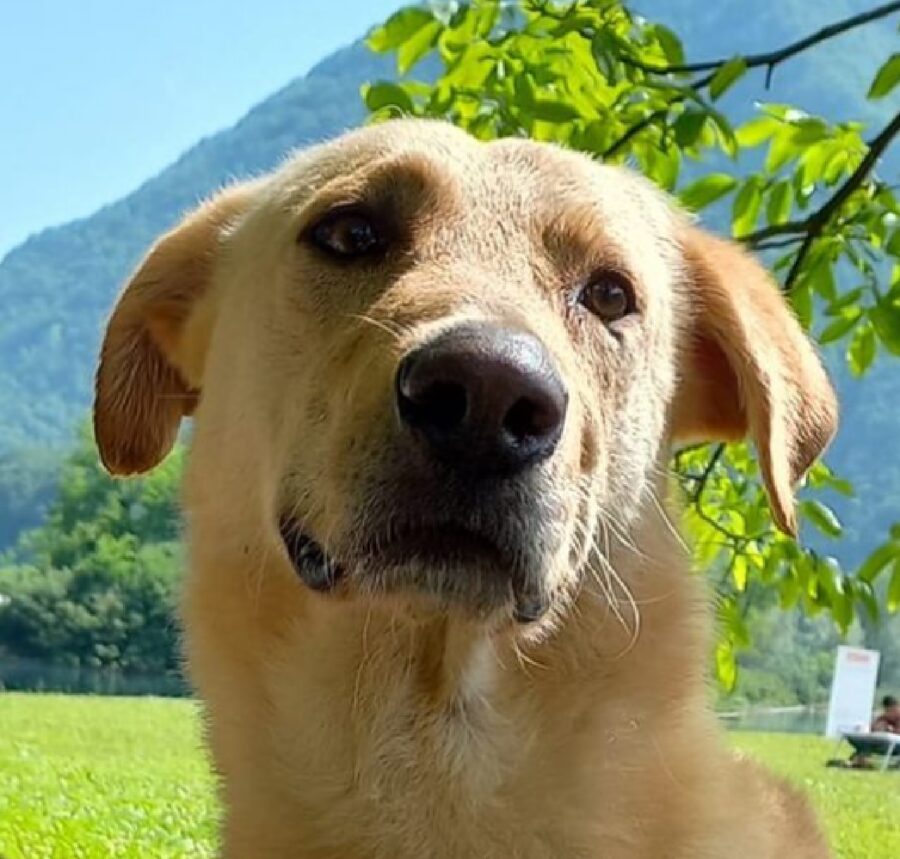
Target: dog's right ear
{"points": [[151, 361]]}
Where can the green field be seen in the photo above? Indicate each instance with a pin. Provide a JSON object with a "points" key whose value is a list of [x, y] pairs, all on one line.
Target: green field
{"points": [[123, 777]]}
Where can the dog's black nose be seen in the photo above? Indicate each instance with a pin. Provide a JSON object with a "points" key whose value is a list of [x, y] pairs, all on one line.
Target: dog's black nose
{"points": [[483, 398]]}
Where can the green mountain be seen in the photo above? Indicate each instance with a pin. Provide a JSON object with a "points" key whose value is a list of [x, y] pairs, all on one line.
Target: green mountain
{"points": [[57, 287]]}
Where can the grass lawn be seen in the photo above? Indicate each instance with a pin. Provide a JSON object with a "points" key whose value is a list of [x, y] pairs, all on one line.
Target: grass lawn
{"points": [[85, 778]]}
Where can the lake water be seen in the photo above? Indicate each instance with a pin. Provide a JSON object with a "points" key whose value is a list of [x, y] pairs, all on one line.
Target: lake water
{"points": [[27, 675], [778, 720]]}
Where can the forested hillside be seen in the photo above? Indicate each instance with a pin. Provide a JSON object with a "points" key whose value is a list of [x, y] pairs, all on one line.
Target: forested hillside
{"points": [[57, 287]]}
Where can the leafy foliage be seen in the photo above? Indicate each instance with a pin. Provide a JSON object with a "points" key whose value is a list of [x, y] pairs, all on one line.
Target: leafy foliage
{"points": [[595, 77], [94, 585], [28, 480]]}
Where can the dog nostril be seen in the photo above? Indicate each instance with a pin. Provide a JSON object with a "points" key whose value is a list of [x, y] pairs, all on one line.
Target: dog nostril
{"points": [[527, 419], [441, 406]]}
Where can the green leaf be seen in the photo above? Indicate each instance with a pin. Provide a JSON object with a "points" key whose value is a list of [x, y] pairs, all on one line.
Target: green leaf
{"points": [[745, 210], [486, 15], [892, 245], [417, 46], [838, 484], [788, 592], [707, 190], [727, 137], [833, 585], [835, 167], [813, 162], [554, 110], [781, 199], [661, 165], [877, 561], [726, 665], [385, 94], [865, 595], [739, 572], [523, 87], [670, 44], [842, 608], [838, 305], [604, 49], [781, 150], [727, 76], [400, 27], [821, 277], [801, 300], [886, 318], [862, 349], [893, 592], [822, 517], [688, 127], [886, 78], [809, 130], [757, 131], [733, 623], [841, 326]]}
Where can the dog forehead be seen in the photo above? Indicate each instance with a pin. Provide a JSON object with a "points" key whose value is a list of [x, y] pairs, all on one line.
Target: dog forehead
{"points": [[519, 181], [441, 143], [557, 181]]}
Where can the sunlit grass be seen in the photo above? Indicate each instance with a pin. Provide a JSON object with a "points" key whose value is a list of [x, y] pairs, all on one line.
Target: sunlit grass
{"points": [[88, 777], [85, 778], [860, 810]]}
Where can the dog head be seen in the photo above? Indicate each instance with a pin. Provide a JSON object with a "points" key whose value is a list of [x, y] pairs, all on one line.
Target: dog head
{"points": [[431, 368]]}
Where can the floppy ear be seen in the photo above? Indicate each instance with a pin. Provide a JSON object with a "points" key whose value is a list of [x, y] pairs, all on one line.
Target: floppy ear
{"points": [[747, 368], [151, 361]]}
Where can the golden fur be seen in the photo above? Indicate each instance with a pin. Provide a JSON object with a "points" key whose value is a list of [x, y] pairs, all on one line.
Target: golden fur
{"points": [[393, 722]]}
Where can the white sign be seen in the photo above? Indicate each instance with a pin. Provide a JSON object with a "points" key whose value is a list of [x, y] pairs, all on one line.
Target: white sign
{"points": [[852, 691]]}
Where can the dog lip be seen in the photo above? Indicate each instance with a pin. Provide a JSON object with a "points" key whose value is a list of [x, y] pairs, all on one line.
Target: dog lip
{"points": [[530, 608], [314, 566], [429, 542], [438, 543], [434, 542]]}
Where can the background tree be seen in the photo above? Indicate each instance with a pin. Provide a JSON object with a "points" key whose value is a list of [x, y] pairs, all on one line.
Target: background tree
{"points": [[94, 586], [803, 191]]}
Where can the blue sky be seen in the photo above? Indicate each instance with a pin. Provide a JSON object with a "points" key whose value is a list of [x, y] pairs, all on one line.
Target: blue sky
{"points": [[98, 95]]}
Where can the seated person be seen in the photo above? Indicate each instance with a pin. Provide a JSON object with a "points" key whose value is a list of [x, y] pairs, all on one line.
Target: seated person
{"points": [[888, 721]]}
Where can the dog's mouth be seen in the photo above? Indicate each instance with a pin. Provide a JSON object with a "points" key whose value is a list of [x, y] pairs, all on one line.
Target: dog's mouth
{"points": [[314, 566], [454, 563]]}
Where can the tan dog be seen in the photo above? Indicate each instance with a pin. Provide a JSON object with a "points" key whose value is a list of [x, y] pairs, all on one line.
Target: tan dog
{"points": [[435, 608]]}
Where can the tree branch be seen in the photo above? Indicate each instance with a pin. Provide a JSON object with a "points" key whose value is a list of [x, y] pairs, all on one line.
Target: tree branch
{"points": [[797, 264], [773, 58], [770, 59], [812, 227], [876, 148], [637, 128], [774, 244], [711, 464]]}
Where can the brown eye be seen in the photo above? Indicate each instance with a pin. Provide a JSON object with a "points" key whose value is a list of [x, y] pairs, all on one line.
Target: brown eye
{"points": [[347, 234], [609, 296]]}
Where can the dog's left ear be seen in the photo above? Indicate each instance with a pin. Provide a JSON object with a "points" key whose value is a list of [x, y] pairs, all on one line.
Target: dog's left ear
{"points": [[747, 368], [153, 353]]}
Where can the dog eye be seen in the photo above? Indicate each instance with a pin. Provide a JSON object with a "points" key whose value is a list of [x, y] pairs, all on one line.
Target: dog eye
{"points": [[609, 296], [347, 234]]}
